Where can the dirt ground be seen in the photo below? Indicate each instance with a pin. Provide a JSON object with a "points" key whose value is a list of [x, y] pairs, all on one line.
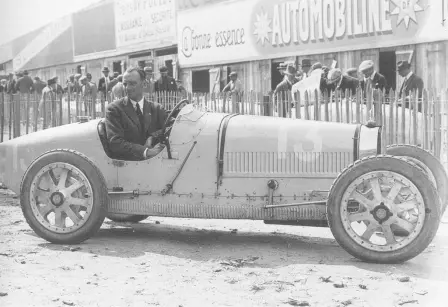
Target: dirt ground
{"points": [[186, 262]]}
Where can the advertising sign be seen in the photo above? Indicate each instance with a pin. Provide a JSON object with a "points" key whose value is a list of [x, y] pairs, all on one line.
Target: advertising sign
{"points": [[254, 29], [145, 23]]}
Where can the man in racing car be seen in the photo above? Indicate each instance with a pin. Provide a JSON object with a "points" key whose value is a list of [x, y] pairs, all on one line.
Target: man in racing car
{"points": [[133, 123]]}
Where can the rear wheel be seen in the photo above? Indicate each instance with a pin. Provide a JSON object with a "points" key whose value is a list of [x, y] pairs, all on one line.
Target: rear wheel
{"points": [[383, 209], [62, 197], [126, 218], [429, 163]]}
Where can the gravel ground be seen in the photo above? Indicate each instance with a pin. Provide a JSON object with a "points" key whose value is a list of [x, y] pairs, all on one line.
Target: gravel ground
{"points": [[186, 262]]}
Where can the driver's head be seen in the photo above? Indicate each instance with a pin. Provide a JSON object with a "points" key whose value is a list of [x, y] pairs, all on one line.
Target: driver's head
{"points": [[133, 83]]}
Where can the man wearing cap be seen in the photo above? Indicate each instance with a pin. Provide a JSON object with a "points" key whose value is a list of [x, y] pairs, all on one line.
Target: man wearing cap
{"points": [[11, 85], [133, 123], [165, 83], [70, 84], [48, 96], [103, 83], [234, 85], [341, 82], [372, 79], [411, 82], [148, 83], [286, 85], [352, 72], [25, 84]]}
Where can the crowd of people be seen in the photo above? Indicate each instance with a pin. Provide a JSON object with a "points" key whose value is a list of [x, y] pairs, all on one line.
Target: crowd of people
{"points": [[364, 77]]}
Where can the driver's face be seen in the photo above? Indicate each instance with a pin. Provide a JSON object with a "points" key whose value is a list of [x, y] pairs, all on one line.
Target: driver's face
{"points": [[133, 86]]}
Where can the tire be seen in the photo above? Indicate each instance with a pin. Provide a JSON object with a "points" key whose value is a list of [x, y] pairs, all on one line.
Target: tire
{"points": [[82, 179], [126, 218], [419, 155], [362, 248]]}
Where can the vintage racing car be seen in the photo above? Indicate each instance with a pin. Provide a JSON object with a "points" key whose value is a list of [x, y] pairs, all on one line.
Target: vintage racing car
{"points": [[382, 204]]}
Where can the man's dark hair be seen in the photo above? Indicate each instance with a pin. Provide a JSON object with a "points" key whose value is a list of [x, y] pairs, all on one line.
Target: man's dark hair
{"points": [[140, 71]]}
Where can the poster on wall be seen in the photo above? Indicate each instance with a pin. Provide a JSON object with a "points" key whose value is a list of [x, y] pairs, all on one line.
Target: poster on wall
{"points": [[237, 31], [148, 23]]}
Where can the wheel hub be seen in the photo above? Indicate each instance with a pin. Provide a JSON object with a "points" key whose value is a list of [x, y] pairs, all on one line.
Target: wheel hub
{"points": [[381, 213], [57, 199]]}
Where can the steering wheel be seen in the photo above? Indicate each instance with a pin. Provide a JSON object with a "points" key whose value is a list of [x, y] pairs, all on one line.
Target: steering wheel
{"points": [[165, 132]]}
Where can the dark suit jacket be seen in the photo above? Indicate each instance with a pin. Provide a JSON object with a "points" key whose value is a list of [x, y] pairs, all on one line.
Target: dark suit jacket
{"points": [[168, 85], [348, 83], [413, 83], [379, 82], [126, 139], [102, 84]]}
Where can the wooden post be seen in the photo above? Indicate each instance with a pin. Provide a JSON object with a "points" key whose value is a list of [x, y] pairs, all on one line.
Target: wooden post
{"points": [[27, 112], [307, 103], [36, 111], [326, 101], [359, 99], [391, 118], [2, 115], [17, 117]]}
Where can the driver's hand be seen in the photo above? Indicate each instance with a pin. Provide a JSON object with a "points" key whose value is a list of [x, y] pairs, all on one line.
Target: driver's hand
{"points": [[152, 152], [149, 142]]}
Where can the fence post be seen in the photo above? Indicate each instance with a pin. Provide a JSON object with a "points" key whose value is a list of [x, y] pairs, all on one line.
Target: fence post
{"points": [[35, 111], [307, 103], [392, 132], [60, 109], [27, 112], [2, 115], [17, 117], [298, 105]]}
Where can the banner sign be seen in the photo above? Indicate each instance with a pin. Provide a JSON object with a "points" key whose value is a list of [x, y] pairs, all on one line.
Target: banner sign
{"points": [[148, 23], [42, 40], [255, 29]]}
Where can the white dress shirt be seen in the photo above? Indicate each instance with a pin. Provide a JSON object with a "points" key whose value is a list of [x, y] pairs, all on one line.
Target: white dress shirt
{"points": [[140, 104]]}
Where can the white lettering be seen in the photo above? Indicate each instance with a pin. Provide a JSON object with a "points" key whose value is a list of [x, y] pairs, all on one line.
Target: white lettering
{"points": [[316, 17], [349, 18], [356, 24], [386, 23], [374, 17], [328, 18], [294, 6], [304, 21], [340, 18], [286, 23], [276, 28]]}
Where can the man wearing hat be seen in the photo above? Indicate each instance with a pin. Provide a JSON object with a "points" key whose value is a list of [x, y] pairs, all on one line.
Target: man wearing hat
{"points": [[11, 85], [372, 79], [148, 83], [38, 85], [341, 82], [286, 85], [103, 83], [352, 72], [165, 83], [49, 97], [234, 85], [306, 67], [25, 83], [411, 82]]}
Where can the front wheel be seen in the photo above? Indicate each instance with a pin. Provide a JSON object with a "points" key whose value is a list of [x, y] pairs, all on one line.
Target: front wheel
{"points": [[383, 209], [63, 196]]}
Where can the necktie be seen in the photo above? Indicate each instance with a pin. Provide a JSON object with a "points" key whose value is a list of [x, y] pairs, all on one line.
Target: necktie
{"points": [[140, 117], [402, 86]]}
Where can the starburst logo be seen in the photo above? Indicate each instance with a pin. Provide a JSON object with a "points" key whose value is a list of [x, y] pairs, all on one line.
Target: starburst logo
{"points": [[262, 27], [406, 10]]}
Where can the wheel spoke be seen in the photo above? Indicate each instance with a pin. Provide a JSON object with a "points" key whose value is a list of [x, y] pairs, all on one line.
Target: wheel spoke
{"points": [[51, 184], [72, 215], [408, 226], [45, 210], [63, 178], [59, 221], [376, 189], [52, 177], [43, 196], [363, 216], [371, 228], [369, 204], [407, 205], [394, 191], [388, 234], [77, 201], [74, 187]]}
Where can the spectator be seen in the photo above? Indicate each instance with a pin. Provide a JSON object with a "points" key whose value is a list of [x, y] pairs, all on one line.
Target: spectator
{"points": [[77, 88], [342, 82], [148, 83], [285, 86], [48, 100], [104, 81], [70, 84], [25, 84], [11, 85], [315, 66], [234, 85], [182, 91], [372, 79], [165, 83], [118, 91], [306, 67], [352, 72], [2, 85], [38, 85], [411, 81]]}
